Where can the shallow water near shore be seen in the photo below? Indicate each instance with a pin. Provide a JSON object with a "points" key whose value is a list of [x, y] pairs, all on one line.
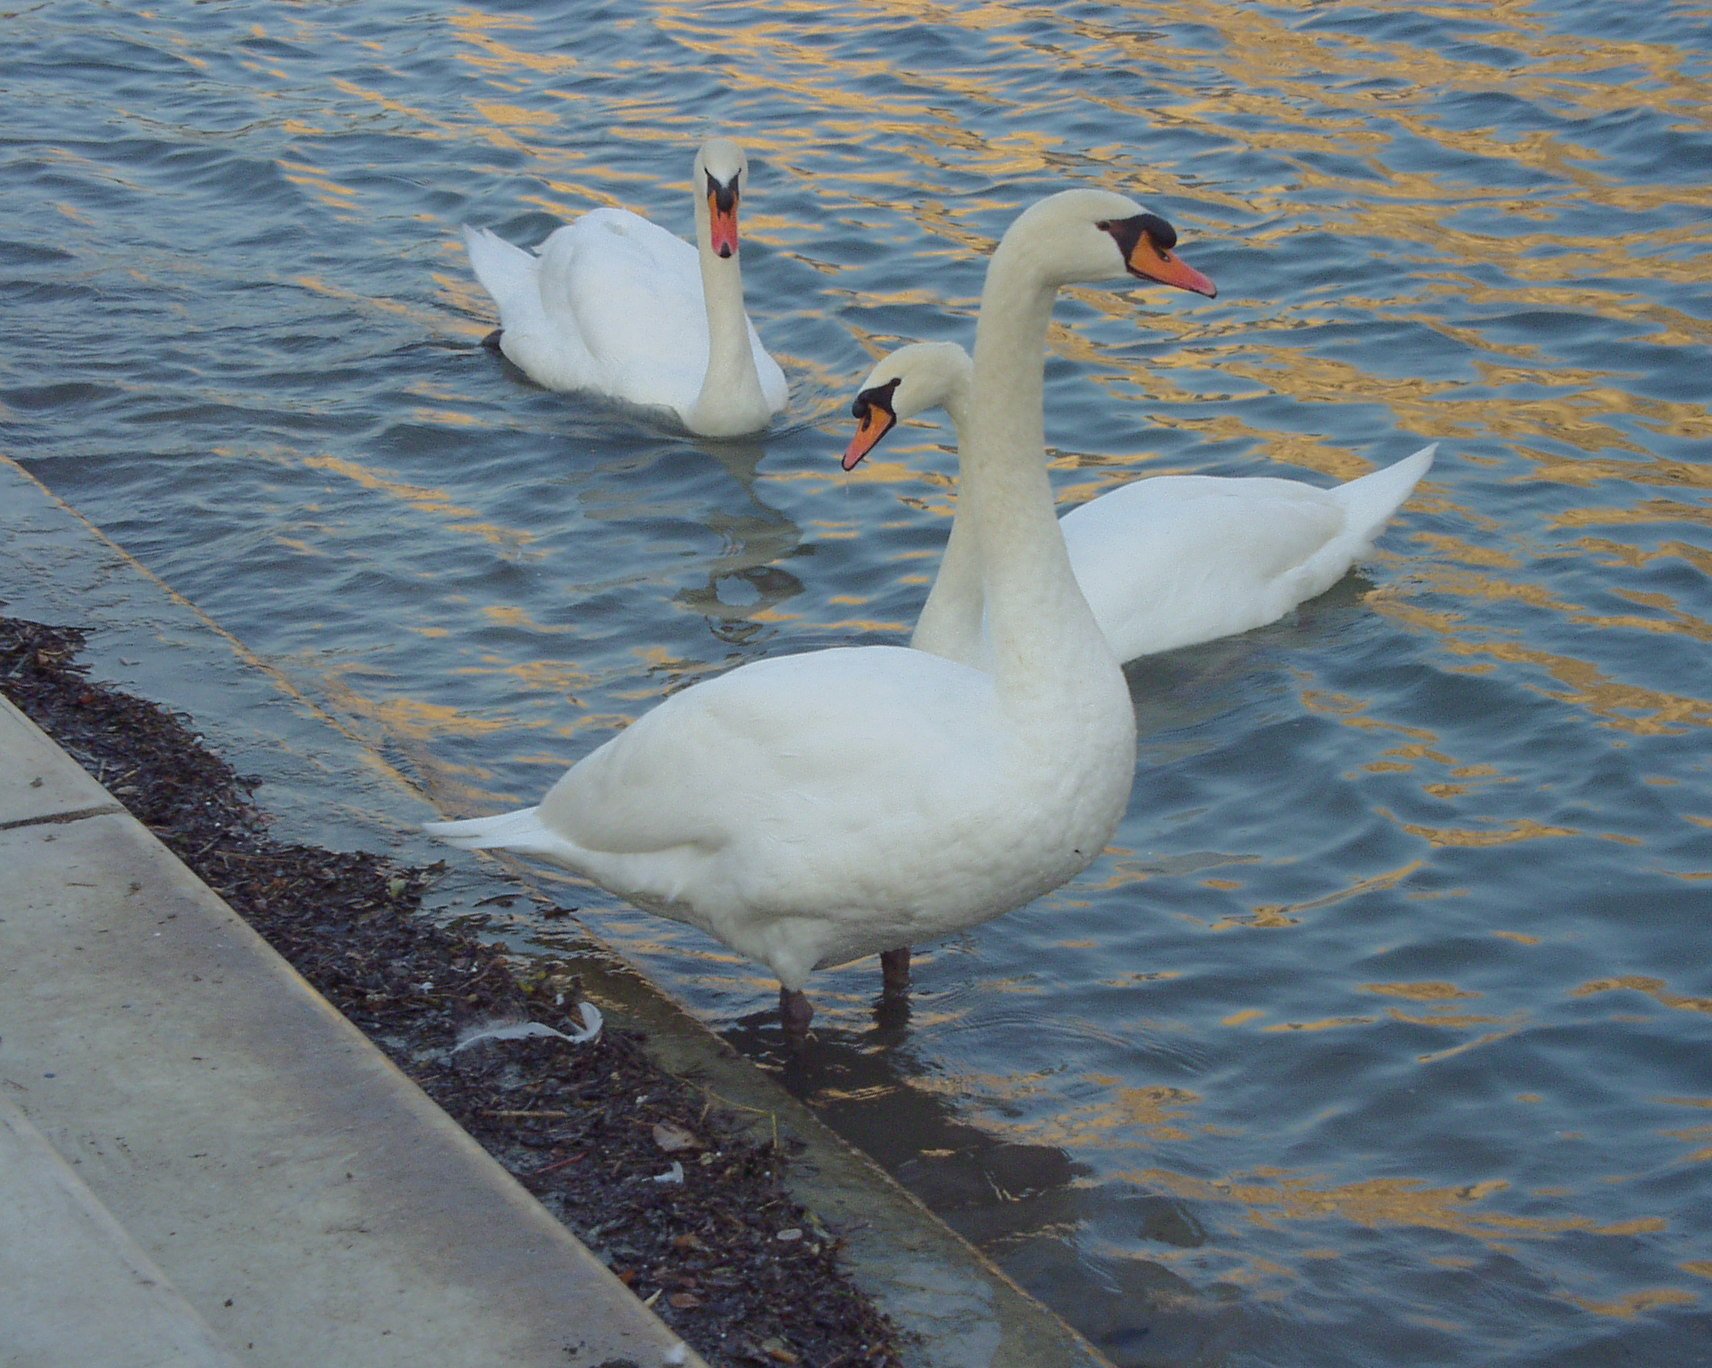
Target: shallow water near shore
{"points": [[1381, 1032]]}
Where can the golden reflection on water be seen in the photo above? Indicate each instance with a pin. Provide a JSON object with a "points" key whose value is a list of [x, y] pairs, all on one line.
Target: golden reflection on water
{"points": [[1652, 987], [1276, 916], [411, 720], [1419, 992], [1517, 830], [1124, 1117], [316, 180], [1627, 1308], [480, 30], [412, 122], [422, 500], [375, 303], [1276, 1196], [1627, 707]]}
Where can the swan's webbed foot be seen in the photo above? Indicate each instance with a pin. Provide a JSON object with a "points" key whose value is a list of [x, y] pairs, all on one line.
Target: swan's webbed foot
{"points": [[491, 341], [795, 1012], [895, 970]]}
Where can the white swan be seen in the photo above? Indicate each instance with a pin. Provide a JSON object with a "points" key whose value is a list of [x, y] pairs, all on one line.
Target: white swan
{"points": [[617, 305], [808, 810], [1164, 562]]}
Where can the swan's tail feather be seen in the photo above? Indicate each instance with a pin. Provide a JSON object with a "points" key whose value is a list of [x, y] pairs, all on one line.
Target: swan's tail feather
{"points": [[1371, 500], [506, 272], [519, 830]]}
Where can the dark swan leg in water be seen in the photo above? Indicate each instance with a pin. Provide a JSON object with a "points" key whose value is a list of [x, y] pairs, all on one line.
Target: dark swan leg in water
{"points": [[895, 969], [795, 1011], [491, 341]]}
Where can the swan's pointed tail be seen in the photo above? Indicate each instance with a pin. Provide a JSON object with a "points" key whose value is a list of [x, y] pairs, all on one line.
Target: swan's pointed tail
{"points": [[507, 273], [1369, 501], [520, 830]]}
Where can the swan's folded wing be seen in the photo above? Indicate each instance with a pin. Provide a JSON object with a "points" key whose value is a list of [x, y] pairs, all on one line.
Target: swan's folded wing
{"points": [[827, 741], [1267, 526], [1177, 560], [633, 291]]}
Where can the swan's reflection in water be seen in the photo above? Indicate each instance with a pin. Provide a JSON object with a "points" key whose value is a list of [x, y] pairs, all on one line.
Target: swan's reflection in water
{"points": [[1017, 1200], [746, 581], [866, 1085]]}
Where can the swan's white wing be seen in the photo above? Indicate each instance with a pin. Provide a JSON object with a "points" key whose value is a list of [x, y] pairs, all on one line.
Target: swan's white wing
{"points": [[630, 293], [817, 745], [1175, 560]]}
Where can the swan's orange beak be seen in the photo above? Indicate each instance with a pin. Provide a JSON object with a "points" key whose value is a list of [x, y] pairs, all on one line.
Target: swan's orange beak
{"points": [[1151, 261], [722, 216], [873, 411]]}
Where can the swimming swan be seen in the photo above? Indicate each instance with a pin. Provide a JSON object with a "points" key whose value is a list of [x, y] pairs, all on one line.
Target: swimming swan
{"points": [[1166, 561], [617, 305], [808, 810]]}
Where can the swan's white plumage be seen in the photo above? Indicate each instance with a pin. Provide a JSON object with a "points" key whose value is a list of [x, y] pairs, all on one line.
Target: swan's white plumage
{"points": [[614, 304], [1176, 560], [775, 806], [811, 809], [1166, 561]]}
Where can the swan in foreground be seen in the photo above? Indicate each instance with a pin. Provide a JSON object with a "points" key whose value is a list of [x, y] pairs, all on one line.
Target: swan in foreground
{"points": [[617, 305], [1166, 561], [812, 809]]}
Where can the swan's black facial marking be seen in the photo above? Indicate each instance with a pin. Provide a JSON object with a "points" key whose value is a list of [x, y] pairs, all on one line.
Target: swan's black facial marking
{"points": [[1162, 233], [722, 197], [876, 396], [1130, 233], [875, 417], [1147, 243]]}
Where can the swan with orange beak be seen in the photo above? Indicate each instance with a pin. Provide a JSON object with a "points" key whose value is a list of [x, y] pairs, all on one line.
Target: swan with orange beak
{"points": [[615, 305]]}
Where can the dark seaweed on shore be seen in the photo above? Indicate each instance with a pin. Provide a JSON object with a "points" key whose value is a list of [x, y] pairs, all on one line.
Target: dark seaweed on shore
{"points": [[726, 1257]]}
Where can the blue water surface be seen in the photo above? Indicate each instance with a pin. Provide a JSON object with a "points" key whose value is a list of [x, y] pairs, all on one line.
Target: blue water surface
{"points": [[1381, 1034]]}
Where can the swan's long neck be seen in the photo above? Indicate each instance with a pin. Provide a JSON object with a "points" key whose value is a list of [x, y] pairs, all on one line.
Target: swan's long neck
{"points": [[950, 621], [732, 384], [1040, 629]]}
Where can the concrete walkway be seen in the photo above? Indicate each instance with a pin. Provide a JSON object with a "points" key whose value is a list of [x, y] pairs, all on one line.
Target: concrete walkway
{"points": [[74, 1287], [202, 1163]]}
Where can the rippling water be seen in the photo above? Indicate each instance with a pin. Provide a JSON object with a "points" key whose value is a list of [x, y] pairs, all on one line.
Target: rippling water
{"points": [[1382, 1032]]}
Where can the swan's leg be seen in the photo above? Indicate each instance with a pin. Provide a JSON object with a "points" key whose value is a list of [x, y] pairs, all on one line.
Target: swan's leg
{"points": [[491, 341], [795, 1011], [894, 969]]}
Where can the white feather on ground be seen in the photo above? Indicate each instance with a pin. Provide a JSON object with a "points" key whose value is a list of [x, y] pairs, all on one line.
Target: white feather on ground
{"points": [[512, 1029]]}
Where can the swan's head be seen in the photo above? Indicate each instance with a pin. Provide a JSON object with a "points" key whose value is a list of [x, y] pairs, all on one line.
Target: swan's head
{"points": [[720, 172], [909, 381], [1087, 235]]}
